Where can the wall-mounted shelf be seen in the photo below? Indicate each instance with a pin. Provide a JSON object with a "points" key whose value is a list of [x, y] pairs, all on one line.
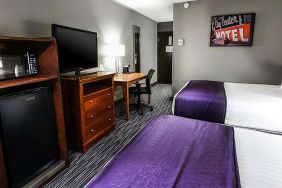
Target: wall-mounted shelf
{"points": [[26, 80]]}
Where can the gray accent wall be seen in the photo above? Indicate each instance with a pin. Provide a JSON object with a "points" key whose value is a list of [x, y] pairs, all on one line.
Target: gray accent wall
{"points": [[112, 22], [261, 63], [165, 26]]}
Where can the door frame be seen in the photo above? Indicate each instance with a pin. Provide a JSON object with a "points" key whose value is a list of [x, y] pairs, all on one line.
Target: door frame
{"points": [[158, 54], [136, 29]]}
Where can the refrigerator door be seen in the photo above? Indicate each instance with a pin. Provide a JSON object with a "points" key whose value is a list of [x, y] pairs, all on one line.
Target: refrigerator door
{"points": [[28, 133]]}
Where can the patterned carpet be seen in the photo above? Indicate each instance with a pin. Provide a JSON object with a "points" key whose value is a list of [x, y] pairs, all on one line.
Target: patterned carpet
{"points": [[84, 167]]}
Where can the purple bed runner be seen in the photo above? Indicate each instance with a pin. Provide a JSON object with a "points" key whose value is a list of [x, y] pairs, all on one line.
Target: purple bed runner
{"points": [[202, 100], [174, 152]]}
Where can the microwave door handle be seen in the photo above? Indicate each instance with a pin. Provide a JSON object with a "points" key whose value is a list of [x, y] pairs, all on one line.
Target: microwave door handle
{"points": [[28, 62]]}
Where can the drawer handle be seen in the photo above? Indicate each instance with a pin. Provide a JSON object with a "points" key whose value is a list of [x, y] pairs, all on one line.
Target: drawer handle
{"points": [[91, 101], [92, 116], [109, 94], [110, 119], [92, 130], [109, 107]]}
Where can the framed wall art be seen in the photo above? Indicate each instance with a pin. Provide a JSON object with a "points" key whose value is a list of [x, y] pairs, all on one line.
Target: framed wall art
{"points": [[232, 30]]}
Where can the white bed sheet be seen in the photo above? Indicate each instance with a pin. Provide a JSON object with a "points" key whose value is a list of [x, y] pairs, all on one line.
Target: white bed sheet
{"points": [[254, 106], [259, 157]]}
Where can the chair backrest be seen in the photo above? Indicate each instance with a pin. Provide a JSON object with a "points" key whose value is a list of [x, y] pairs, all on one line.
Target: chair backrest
{"points": [[149, 78]]}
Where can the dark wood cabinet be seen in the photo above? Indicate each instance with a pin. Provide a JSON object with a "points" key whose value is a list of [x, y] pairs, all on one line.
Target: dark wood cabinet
{"points": [[47, 60], [89, 108], [3, 176]]}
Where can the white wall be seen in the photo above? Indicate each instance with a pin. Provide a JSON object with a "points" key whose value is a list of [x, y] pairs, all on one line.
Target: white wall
{"points": [[261, 63], [112, 22]]}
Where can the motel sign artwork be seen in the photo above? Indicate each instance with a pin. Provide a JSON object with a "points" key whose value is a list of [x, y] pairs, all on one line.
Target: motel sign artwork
{"points": [[232, 30]]}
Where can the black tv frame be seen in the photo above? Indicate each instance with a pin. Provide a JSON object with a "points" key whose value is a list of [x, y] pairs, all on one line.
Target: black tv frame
{"points": [[77, 70]]}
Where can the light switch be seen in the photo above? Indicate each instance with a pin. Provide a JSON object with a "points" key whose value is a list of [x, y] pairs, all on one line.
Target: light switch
{"points": [[180, 42]]}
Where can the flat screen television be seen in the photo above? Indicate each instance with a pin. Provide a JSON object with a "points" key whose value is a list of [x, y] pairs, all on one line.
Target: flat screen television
{"points": [[77, 49]]}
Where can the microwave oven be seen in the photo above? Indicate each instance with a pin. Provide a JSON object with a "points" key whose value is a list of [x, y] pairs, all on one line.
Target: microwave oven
{"points": [[15, 66]]}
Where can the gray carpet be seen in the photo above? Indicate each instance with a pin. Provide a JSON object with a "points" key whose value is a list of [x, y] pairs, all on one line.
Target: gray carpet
{"points": [[83, 167]]}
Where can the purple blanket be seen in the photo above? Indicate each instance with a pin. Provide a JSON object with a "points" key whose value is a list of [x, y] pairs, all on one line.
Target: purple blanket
{"points": [[202, 100], [174, 152]]}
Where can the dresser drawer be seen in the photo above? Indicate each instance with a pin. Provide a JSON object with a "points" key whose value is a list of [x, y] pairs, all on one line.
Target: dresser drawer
{"points": [[97, 111], [98, 100], [102, 124]]}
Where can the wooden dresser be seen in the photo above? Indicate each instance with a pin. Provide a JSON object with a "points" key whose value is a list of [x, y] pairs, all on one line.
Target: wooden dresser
{"points": [[88, 107]]}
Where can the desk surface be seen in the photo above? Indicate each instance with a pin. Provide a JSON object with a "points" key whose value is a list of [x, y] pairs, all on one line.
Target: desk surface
{"points": [[129, 77], [125, 80]]}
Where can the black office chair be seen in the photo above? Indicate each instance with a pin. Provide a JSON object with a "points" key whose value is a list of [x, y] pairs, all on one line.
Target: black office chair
{"points": [[138, 90]]}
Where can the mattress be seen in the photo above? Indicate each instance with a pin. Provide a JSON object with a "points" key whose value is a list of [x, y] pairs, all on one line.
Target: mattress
{"points": [[254, 106]]}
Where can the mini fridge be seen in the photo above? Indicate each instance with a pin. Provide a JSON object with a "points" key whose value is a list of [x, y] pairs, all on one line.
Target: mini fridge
{"points": [[28, 134]]}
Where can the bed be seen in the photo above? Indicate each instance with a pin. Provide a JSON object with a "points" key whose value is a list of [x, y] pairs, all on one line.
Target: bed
{"points": [[174, 151], [254, 106]]}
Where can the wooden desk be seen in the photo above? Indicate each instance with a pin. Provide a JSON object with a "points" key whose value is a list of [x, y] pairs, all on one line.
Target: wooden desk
{"points": [[125, 80]]}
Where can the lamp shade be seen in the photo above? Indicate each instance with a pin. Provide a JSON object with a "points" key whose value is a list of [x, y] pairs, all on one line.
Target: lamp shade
{"points": [[115, 50]]}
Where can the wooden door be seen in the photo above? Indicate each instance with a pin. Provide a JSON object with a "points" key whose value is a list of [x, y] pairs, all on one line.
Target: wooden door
{"points": [[165, 43]]}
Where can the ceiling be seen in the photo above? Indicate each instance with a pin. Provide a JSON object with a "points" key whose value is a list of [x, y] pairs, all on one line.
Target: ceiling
{"points": [[158, 10]]}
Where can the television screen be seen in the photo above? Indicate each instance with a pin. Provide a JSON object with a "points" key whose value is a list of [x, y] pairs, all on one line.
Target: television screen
{"points": [[77, 49]]}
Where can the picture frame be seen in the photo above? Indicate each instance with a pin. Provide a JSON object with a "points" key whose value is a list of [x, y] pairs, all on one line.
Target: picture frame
{"points": [[232, 30]]}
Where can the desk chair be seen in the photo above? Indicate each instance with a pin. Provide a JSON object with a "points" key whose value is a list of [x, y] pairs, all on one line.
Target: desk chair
{"points": [[139, 90]]}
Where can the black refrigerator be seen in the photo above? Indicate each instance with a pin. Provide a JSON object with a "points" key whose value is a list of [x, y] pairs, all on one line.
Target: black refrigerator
{"points": [[28, 134]]}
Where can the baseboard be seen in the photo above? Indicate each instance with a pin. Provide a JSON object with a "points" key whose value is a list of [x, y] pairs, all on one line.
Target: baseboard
{"points": [[154, 84], [47, 175]]}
